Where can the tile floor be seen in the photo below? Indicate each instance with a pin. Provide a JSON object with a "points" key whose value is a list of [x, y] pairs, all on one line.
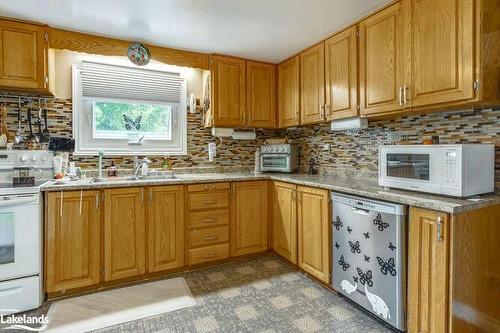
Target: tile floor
{"points": [[262, 294]]}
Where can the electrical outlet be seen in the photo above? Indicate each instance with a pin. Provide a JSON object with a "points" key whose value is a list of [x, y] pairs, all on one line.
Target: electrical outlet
{"points": [[326, 147]]}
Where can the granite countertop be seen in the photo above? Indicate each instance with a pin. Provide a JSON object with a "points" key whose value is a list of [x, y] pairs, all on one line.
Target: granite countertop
{"points": [[368, 188]]}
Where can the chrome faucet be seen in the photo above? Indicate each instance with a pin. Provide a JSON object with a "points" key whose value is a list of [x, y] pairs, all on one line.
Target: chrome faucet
{"points": [[138, 165], [101, 155]]}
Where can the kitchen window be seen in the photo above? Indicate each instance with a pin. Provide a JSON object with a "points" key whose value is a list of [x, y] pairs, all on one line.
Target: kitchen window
{"points": [[128, 111]]}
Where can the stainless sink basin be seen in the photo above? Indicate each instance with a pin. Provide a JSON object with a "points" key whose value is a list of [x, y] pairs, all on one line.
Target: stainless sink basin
{"points": [[131, 178], [113, 179]]}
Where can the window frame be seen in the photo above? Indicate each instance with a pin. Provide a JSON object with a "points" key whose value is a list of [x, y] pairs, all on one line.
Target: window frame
{"points": [[83, 125]]}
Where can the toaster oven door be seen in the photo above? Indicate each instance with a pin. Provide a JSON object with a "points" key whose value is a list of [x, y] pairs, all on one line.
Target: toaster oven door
{"points": [[275, 162]]}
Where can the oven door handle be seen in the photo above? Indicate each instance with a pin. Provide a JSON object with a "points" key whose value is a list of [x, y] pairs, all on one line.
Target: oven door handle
{"points": [[7, 201]]}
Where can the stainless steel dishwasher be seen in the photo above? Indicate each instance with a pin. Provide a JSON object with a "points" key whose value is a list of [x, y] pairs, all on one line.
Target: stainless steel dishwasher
{"points": [[369, 265]]}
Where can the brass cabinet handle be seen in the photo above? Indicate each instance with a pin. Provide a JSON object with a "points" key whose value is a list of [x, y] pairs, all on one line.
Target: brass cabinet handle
{"points": [[206, 187], [439, 230], [209, 202], [209, 238], [322, 110], [327, 109], [97, 201], [404, 93], [209, 256], [400, 95], [150, 194]]}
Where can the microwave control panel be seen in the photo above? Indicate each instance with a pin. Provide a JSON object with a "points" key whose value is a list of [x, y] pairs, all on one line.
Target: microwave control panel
{"points": [[451, 167]]}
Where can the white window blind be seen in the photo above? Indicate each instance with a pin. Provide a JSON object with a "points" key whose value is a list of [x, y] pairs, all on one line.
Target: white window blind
{"points": [[120, 82]]}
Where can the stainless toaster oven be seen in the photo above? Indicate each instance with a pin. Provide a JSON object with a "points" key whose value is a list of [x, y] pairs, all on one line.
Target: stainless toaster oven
{"points": [[279, 158]]}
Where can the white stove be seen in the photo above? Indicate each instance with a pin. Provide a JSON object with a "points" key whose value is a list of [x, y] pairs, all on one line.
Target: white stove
{"points": [[21, 231]]}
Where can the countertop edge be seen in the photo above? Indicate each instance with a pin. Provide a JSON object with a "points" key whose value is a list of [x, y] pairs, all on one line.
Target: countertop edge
{"points": [[432, 202]]}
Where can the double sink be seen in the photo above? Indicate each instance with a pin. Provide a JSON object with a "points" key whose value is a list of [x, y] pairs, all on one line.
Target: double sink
{"points": [[132, 178]]}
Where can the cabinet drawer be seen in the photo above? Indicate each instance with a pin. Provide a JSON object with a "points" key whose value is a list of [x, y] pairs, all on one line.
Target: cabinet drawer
{"points": [[208, 187], [208, 200], [209, 218], [208, 236], [208, 253]]}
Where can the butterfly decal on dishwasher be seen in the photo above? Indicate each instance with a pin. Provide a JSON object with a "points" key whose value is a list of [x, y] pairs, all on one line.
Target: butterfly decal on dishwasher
{"points": [[355, 247], [365, 278], [131, 124], [338, 223], [387, 266], [345, 266], [379, 223]]}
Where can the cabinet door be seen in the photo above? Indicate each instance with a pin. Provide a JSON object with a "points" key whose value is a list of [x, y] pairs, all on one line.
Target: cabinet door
{"points": [[261, 95], [288, 92], [312, 85], [165, 227], [341, 75], [285, 220], [228, 91], [72, 240], [428, 271], [124, 241], [442, 51], [313, 231], [382, 61], [23, 58], [249, 210]]}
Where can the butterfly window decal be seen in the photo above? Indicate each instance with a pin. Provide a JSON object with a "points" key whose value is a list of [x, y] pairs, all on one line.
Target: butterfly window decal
{"points": [[387, 266], [345, 266], [338, 223], [379, 223], [131, 124], [355, 247], [365, 278]]}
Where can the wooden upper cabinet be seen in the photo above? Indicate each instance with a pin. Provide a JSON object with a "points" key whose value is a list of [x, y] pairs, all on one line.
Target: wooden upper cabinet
{"points": [[428, 269], [381, 53], [228, 91], [261, 95], [341, 75], [284, 220], [314, 232], [124, 228], [249, 217], [289, 93], [72, 240], [165, 227], [312, 85], [23, 56], [441, 51]]}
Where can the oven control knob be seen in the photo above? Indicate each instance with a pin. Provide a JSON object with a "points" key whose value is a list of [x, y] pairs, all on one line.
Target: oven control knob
{"points": [[23, 158], [34, 158]]}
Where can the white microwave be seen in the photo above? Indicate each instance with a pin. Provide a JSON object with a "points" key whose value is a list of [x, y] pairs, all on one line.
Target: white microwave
{"points": [[459, 170]]}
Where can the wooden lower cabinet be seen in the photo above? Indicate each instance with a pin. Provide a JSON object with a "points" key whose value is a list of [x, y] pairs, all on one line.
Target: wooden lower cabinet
{"points": [[124, 233], [428, 271], [284, 220], [249, 217], [314, 232], [165, 226], [72, 240]]}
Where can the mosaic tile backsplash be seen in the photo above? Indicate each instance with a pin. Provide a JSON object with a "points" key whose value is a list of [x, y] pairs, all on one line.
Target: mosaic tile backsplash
{"points": [[358, 154], [349, 154], [231, 154]]}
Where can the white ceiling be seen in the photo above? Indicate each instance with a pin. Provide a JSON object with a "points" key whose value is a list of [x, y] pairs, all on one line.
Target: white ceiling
{"points": [[269, 30]]}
